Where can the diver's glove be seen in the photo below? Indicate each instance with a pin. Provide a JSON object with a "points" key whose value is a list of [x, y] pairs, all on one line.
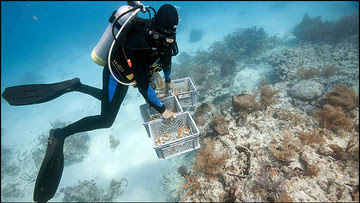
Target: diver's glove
{"points": [[168, 89], [168, 116]]}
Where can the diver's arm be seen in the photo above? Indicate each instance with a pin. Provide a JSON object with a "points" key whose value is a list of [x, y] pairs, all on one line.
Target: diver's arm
{"points": [[166, 66], [142, 77], [167, 77], [166, 62], [141, 61]]}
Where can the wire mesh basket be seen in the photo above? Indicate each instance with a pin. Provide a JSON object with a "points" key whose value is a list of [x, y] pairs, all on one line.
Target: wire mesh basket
{"points": [[149, 114], [179, 136]]}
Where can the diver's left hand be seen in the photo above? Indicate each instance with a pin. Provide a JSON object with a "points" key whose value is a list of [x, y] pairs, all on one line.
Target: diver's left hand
{"points": [[168, 89]]}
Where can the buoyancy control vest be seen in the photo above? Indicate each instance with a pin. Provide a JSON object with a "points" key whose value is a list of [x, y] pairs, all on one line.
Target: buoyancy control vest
{"points": [[122, 64]]}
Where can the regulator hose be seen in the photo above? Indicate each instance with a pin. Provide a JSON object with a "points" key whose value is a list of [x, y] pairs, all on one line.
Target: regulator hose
{"points": [[112, 46], [136, 10]]}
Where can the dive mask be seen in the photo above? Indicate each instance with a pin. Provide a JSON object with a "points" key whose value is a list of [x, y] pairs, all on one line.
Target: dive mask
{"points": [[158, 36]]}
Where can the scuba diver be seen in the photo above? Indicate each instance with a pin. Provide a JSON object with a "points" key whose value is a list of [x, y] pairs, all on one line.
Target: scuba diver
{"points": [[139, 44]]}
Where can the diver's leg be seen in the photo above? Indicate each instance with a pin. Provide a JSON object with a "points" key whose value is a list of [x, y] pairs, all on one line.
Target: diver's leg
{"points": [[113, 95], [92, 91], [52, 166]]}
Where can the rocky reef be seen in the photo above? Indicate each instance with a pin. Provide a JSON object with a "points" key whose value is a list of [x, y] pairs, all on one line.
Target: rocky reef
{"points": [[8, 168], [11, 190], [87, 191], [316, 30], [76, 147], [332, 63], [113, 142], [278, 154], [295, 139]]}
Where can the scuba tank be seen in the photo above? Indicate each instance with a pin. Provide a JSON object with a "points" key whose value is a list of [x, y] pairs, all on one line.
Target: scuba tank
{"points": [[118, 20], [101, 51]]}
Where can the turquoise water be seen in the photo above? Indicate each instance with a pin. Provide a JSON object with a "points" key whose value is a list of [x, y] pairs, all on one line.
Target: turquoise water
{"points": [[46, 42], [36, 36]]}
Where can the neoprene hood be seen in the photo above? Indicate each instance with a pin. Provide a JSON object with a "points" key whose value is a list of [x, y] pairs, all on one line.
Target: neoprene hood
{"points": [[166, 20]]}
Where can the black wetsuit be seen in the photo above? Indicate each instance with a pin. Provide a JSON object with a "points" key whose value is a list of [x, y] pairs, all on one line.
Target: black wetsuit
{"points": [[113, 93]]}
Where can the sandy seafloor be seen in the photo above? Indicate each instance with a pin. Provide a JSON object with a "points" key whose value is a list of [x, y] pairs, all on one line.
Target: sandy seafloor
{"points": [[34, 53]]}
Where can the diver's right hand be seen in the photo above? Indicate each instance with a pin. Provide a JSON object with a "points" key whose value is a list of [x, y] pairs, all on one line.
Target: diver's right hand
{"points": [[168, 116]]}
